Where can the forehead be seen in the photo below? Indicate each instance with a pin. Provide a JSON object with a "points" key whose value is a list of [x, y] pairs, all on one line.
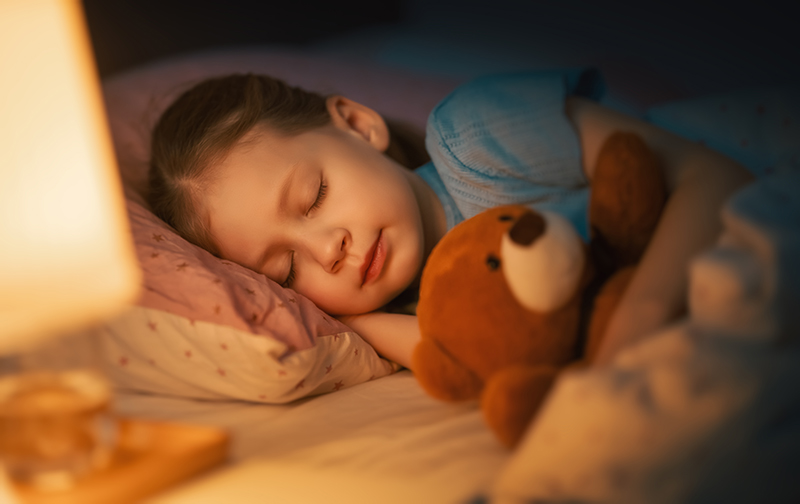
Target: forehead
{"points": [[244, 184], [257, 157]]}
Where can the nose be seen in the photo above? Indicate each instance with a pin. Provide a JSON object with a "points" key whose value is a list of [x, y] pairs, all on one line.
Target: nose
{"points": [[527, 229], [328, 247]]}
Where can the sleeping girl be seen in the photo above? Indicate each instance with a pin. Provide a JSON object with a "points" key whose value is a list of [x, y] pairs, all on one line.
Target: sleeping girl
{"points": [[316, 192]]}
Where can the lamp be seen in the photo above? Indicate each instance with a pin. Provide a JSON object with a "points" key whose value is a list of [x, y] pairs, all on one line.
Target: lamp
{"points": [[67, 257]]}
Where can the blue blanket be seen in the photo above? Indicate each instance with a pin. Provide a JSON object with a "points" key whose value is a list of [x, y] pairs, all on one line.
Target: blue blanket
{"points": [[707, 410]]}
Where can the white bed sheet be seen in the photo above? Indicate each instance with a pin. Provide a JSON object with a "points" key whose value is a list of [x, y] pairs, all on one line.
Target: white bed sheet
{"points": [[381, 441]]}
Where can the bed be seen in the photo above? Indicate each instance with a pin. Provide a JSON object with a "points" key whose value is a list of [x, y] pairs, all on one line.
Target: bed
{"points": [[706, 411]]}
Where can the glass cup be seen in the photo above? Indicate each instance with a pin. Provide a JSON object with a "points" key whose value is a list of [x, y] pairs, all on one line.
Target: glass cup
{"points": [[55, 426]]}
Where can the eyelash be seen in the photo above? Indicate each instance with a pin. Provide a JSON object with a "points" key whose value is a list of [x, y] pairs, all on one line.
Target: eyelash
{"points": [[323, 190], [290, 277]]}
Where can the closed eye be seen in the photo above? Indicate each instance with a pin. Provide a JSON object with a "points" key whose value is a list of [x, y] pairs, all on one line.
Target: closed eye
{"points": [[323, 190], [291, 276]]}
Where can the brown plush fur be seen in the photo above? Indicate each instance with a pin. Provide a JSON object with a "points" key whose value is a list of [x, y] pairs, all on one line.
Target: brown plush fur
{"points": [[478, 342]]}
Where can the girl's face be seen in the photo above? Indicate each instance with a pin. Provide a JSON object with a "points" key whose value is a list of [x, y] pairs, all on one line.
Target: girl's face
{"points": [[323, 212]]}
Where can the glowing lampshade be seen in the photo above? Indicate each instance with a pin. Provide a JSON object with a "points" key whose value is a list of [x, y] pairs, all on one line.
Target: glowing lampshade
{"points": [[66, 253]]}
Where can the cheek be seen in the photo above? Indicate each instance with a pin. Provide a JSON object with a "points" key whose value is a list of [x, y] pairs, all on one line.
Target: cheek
{"points": [[407, 267], [314, 288], [385, 180], [327, 294]]}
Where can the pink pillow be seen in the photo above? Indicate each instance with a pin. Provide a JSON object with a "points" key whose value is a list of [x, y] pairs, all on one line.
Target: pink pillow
{"points": [[196, 311], [183, 279]]}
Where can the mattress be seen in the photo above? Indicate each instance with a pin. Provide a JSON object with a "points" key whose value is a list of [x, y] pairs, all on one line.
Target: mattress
{"points": [[381, 441]]}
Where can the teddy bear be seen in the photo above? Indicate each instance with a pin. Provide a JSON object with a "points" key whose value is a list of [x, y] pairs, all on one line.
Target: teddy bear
{"points": [[512, 297]]}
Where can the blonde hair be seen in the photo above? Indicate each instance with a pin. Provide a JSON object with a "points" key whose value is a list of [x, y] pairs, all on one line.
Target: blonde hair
{"points": [[208, 120]]}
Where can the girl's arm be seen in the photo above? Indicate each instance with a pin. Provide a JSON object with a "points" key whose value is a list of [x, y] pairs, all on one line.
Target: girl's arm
{"points": [[699, 180], [392, 335]]}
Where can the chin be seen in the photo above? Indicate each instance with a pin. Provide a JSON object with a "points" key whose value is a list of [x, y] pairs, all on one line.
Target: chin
{"points": [[349, 310]]}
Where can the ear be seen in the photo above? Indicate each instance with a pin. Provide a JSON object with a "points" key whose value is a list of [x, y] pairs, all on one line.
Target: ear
{"points": [[360, 120]]}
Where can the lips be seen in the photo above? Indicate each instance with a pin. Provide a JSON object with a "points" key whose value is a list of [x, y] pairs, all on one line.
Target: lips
{"points": [[374, 260]]}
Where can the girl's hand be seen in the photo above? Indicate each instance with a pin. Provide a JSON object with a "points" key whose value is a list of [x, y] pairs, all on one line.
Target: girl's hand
{"points": [[393, 336], [631, 322], [699, 181], [347, 320]]}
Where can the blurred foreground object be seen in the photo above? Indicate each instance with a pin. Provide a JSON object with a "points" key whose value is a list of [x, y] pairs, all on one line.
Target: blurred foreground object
{"points": [[67, 258]]}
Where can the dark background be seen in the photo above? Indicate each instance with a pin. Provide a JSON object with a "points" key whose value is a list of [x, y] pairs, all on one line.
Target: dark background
{"points": [[126, 33], [747, 43]]}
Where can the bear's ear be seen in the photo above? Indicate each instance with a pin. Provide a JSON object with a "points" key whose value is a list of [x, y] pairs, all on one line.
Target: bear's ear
{"points": [[441, 376]]}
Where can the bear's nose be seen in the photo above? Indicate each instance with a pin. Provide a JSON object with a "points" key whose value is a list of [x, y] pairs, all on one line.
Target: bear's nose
{"points": [[527, 229]]}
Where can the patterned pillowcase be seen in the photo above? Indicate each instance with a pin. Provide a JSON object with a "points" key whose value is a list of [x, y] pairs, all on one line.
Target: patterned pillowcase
{"points": [[208, 328]]}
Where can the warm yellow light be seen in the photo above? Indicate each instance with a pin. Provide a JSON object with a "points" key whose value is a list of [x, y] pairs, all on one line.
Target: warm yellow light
{"points": [[66, 257]]}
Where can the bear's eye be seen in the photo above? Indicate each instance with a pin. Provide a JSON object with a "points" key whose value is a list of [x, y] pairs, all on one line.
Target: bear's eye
{"points": [[505, 218], [493, 262]]}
